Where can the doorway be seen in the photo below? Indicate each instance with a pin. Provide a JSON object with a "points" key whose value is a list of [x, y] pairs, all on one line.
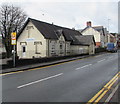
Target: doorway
{"points": [[23, 51]]}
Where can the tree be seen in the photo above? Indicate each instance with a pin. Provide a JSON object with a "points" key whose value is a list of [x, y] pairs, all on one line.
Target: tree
{"points": [[12, 19]]}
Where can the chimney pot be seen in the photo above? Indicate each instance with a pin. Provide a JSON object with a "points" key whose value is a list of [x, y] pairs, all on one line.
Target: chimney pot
{"points": [[89, 24]]}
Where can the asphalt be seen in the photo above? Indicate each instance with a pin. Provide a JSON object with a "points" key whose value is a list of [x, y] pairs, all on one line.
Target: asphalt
{"points": [[75, 81]]}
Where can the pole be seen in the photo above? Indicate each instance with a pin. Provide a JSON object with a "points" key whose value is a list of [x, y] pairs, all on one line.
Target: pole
{"points": [[14, 57], [108, 30], [108, 25], [13, 42]]}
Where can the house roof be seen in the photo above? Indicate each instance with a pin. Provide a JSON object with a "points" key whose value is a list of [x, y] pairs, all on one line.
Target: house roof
{"points": [[86, 39], [51, 31], [84, 29], [100, 29]]}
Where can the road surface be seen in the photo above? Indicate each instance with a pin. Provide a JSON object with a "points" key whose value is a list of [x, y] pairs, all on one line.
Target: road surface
{"points": [[75, 81]]}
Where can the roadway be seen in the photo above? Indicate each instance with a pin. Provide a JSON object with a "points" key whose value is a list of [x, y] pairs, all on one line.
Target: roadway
{"points": [[74, 81]]}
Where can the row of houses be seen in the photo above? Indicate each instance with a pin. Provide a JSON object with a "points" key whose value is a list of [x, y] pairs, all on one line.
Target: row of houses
{"points": [[39, 39], [101, 35]]}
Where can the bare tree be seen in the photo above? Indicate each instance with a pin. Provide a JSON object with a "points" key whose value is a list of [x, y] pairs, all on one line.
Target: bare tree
{"points": [[12, 19]]}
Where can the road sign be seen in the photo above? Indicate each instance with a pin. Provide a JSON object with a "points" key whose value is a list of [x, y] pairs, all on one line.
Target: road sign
{"points": [[13, 38]]}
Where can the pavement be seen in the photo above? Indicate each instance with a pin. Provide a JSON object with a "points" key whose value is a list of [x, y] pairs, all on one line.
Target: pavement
{"points": [[74, 81], [115, 95], [115, 98]]}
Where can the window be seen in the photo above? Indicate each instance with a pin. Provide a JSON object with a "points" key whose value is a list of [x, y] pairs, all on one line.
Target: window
{"points": [[39, 42], [53, 47], [60, 46], [38, 47], [29, 27], [24, 50]]}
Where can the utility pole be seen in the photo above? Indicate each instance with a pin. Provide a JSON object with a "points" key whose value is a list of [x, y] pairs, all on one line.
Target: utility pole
{"points": [[108, 25], [13, 42], [108, 30]]}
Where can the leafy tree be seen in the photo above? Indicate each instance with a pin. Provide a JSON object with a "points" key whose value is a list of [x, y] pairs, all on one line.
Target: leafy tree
{"points": [[12, 19]]}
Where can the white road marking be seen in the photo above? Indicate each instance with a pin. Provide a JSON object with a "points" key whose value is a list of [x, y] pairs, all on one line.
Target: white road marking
{"points": [[111, 95], [101, 60], [83, 67], [39, 80]]}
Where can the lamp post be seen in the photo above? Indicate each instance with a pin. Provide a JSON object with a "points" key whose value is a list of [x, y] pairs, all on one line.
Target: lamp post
{"points": [[108, 25], [108, 32]]}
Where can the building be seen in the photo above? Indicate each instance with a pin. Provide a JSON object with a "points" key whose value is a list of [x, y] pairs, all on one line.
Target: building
{"points": [[39, 39], [112, 38], [118, 40], [99, 33]]}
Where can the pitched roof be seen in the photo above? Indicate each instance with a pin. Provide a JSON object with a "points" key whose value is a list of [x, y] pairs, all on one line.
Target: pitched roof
{"points": [[86, 39], [99, 29], [51, 31], [84, 29]]}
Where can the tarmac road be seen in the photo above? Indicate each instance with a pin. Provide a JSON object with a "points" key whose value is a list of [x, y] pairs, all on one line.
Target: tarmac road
{"points": [[75, 81]]}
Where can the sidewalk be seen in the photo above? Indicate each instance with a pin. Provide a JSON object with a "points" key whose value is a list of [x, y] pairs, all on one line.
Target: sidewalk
{"points": [[116, 96], [113, 95], [21, 68]]}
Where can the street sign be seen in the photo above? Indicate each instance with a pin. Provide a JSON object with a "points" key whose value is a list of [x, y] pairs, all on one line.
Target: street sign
{"points": [[13, 38], [30, 39]]}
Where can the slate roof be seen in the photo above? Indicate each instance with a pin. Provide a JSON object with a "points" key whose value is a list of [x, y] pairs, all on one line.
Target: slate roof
{"points": [[84, 29], [86, 39], [51, 31], [100, 29]]}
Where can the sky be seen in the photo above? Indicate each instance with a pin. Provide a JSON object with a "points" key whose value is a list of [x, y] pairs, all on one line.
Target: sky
{"points": [[71, 13]]}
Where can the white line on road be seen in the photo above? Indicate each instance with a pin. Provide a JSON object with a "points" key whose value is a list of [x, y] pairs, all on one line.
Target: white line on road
{"points": [[83, 67], [112, 94], [39, 80], [101, 60]]}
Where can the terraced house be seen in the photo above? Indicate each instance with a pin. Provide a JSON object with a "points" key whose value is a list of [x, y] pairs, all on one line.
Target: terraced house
{"points": [[99, 33], [39, 39]]}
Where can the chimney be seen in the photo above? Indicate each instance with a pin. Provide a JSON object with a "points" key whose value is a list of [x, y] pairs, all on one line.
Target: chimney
{"points": [[89, 24]]}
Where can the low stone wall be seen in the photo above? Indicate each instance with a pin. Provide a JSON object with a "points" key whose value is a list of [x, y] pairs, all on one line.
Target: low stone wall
{"points": [[23, 62]]}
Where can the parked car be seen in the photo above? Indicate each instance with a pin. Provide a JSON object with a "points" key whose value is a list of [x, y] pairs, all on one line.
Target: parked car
{"points": [[111, 47]]}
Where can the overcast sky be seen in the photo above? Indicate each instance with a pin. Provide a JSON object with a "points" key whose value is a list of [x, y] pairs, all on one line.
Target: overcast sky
{"points": [[71, 13]]}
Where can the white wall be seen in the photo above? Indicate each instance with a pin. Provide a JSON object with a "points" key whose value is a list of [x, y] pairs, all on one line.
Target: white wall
{"points": [[30, 37], [92, 49], [91, 31], [67, 48], [77, 49], [58, 47]]}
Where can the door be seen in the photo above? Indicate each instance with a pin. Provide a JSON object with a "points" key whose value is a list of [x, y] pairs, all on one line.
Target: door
{"points": [[23, 51]]}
